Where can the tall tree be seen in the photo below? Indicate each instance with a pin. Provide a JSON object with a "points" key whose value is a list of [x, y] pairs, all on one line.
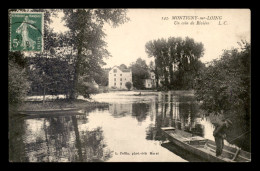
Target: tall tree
{"points": [[155, 49], [173, 43], [165, 59], [151, 51], [175, 52], [86, 28]]}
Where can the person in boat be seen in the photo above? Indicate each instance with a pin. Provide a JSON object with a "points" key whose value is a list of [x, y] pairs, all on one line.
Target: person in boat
{"points": [[220, 134]]}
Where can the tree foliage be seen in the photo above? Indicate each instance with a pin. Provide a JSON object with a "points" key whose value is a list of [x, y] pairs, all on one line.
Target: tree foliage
{"points": [[128, 85], [87, 38], [175, 54], [18, 84], [49, 75], [86, 88], [224, 86], [224, 90], [101, 77], [17, 63], [76, 53], [139, 73]]}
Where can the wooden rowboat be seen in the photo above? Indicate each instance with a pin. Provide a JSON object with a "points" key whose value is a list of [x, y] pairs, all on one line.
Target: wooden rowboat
{"points": [[204, 148], [52, 112]]}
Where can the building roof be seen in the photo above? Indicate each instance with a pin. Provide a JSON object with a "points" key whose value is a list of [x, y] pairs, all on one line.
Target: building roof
{"points": [[122, 69]]}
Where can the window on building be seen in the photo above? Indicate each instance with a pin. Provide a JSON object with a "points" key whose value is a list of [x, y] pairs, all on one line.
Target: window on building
{"points": [[120, 74], [115, 70], [120, 83], [125, 78], [114, 84], [120, 79], [114, 74], [114, 79]]}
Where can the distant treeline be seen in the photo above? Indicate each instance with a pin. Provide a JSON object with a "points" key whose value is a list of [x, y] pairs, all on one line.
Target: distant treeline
{"points": [[176, 62]]}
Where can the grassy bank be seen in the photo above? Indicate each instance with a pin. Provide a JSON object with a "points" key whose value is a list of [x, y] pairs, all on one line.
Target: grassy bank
{"points": [[59, 104]]}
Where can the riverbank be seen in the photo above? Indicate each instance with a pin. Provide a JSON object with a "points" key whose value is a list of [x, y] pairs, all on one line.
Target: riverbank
{"points": [[54, 106]]}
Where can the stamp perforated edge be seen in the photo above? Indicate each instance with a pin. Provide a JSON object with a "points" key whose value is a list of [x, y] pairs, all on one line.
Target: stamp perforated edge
{"points": [[42, 29]]}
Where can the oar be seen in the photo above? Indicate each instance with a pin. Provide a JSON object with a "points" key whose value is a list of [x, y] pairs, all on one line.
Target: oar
{"points": [[240, 135]]}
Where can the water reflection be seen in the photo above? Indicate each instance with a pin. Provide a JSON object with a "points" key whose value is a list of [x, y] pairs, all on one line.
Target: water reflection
{"points": [[180, 112], [120, 110], [140, 111], [137, 110], [130, 125], [17, 151], [56, 139]]}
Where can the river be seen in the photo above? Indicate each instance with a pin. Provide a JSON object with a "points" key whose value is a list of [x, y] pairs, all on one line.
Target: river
{"points": [[126, 130]]}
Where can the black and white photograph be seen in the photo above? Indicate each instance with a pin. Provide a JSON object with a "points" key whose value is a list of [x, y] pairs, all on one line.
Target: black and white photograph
{"points": [[129, 85]]}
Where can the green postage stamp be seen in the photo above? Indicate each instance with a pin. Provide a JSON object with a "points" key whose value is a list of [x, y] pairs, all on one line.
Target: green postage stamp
{"points": [[26, 31]]}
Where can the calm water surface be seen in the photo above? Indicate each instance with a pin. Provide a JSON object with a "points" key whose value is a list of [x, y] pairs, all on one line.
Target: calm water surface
{"points": [[127, 129]]}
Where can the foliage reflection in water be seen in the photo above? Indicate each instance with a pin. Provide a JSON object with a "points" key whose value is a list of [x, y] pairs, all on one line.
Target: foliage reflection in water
{"points": [[57, 139], [127, 130]]}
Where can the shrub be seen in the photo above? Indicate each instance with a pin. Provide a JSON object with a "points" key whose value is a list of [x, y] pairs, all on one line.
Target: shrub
{"points": [[128, 85], [18, 86], [86, 89]]}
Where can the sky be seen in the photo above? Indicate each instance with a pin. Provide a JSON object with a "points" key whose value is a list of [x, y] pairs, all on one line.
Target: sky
{"points": [[223, 28]]}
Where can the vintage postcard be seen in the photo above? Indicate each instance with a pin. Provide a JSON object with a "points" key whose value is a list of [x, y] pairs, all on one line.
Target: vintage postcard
{"points": [[129, 85]]}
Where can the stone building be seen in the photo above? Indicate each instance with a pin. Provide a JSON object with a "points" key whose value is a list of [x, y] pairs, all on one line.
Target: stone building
{"points": [[118, 76]]}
